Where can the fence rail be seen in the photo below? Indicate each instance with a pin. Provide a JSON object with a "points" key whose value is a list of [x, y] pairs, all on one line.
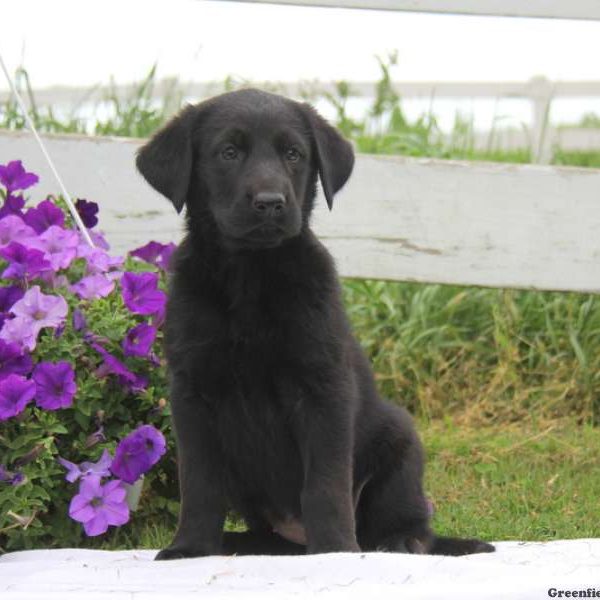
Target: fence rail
{"points": [[551, 9], [540, 136], [515, 226]]}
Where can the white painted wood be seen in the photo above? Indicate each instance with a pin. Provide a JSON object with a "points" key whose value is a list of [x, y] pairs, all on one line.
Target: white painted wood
{"points": [[553, 9], [540, 136], [487, 224]]}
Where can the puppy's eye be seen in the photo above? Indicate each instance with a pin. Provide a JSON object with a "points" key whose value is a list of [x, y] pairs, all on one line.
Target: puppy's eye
{"points": [[292, 154], [230, 152]]}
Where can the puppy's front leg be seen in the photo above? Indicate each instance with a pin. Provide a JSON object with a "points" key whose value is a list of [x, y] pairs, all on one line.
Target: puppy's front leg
{"points": [[327, 506], [203, 507]]}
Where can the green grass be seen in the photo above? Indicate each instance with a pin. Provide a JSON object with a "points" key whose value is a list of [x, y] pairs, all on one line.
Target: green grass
{"points": [[497, 483], [503, 483], [484, 356]]}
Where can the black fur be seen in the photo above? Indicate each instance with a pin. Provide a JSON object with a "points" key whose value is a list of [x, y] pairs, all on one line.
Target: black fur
{"points": [[274, 403]]}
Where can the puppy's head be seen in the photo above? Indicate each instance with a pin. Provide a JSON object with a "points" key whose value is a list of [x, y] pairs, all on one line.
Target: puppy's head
{"points": [[248, 161]]}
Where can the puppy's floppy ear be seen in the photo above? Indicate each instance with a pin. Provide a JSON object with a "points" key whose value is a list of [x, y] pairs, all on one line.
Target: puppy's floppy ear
{"points": [[334, 155], [166, 160]]}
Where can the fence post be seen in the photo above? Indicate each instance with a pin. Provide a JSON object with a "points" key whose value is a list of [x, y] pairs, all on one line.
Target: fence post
{"points": [[541, 92]]}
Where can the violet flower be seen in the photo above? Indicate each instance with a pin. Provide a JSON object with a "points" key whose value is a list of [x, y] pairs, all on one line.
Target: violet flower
{"points": [[15, 393], [59, 246], [44, 310], [13, 229], [87, 211], [98, 260], [20, 332], [23, 262], [98, 239], [32, 313], [141, 294], [11, 478], [155, 253], [95, 438], [13, 205], [111, 365], [13, 360], [98, 506], [55, 385], [93, 286], [44, 215], [14, 177], [85, 469], [164, 260], [138, 452], [18, 479], [79, 320], [8, 296], [139, 340]]}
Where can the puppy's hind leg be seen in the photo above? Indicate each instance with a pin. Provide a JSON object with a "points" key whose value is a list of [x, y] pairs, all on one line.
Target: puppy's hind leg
{"points": [[393, 513]]}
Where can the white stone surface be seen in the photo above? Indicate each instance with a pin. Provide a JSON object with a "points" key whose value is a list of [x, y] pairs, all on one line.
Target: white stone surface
{"points": [[516, 571]]}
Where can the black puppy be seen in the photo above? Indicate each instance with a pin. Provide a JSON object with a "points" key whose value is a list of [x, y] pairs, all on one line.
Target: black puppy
{"points": [[274, 404]]}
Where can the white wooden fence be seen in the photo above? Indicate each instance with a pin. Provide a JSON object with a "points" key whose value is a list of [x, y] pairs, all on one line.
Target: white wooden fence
{"points": [[397, 218], [550, 9], [541, 137]]}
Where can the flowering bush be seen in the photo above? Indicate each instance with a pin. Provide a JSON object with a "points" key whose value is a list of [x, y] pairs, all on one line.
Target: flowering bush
{"points": [[82, 382]]}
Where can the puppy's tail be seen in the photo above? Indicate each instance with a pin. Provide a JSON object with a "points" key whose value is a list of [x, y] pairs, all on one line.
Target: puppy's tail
{"points": [[450, 546]]}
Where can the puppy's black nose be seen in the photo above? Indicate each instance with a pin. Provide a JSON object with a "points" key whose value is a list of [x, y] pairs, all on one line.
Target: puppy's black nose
{"points": [[269, 203]]}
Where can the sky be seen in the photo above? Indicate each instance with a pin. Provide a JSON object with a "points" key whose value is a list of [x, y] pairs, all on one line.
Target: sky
{"points": [[72, 42]]}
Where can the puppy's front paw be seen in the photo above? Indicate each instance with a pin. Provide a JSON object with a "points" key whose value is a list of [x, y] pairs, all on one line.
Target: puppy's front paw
{"points": [[175, 553]]}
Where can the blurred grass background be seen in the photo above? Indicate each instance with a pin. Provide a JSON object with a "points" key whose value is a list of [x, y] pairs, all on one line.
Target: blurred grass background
{"points": [[504, 384]]}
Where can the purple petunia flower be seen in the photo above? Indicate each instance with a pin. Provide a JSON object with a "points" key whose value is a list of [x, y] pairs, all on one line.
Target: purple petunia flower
{"points": [[32, 313], [44, 215], [14, 177], [59, 246], [95, 438], [79, 320], [85, 469], [164, 260], [8, 296], [155, 253], [93, 286], [55, 385], [23, 262], [13, 205], [18, 479], [20, 332], [44, 310], [15, 393], [98, 506], [98, 260], [149, 253], [13, 360], [111, 365], [87, 211], [141, 294], [139, 340], [11, 478], [13, 229], [98, 239], [138, 452]]}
